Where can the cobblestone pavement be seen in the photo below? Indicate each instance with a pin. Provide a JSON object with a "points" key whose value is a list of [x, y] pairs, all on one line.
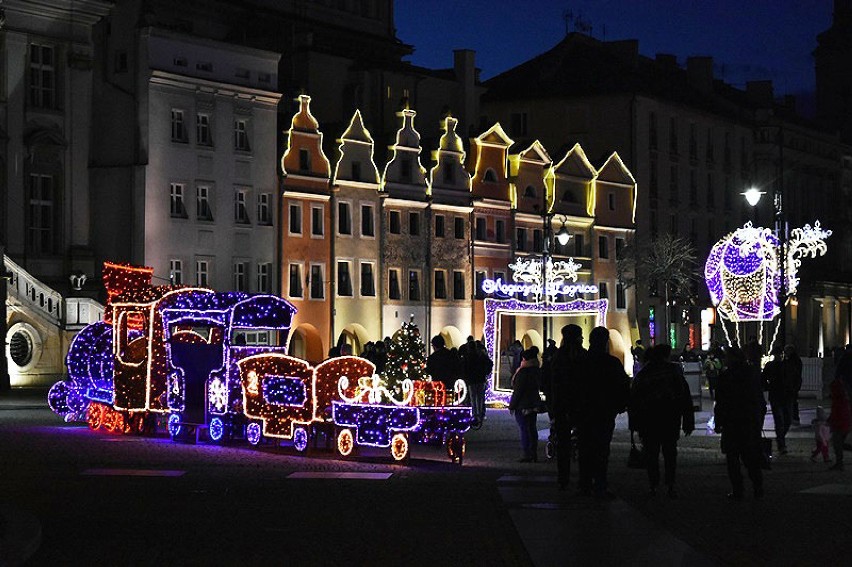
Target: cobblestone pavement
{"points": [[491, 511]]}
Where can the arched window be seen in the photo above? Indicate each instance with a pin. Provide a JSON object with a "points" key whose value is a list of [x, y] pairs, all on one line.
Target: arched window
{"points": [[490, 176], [569, 197], [529, 192]]}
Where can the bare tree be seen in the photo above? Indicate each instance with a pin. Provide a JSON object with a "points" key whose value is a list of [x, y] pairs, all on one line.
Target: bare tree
{"points": [[668, 260]]}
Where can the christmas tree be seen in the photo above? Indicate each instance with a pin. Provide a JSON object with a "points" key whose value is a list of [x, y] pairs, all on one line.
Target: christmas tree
{"points": [[406, 357]]}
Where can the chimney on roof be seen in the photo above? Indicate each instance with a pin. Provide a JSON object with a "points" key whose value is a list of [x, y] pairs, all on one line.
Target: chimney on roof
{"points": [[666, 60], [464, 65], [760, 92], [700, 73], [626, 49]]}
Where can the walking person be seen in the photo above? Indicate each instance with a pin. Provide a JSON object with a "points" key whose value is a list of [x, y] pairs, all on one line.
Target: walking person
{"points": [[660, 406], [565, 371], [602, 393], [476, 366], [740, 410], [793, 369], [780, 386], [525, 401], [839, 421]]}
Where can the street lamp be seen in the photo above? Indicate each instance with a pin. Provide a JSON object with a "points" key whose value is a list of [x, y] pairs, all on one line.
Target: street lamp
{"points": [[562, 238], [752, 196]]}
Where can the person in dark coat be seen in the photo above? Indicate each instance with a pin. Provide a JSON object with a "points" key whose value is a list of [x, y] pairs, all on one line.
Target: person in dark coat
{"points": [[740, 410], [565, 371], [476, 366], [524, 403], [779, 384], [793, 369], [602, 393], [660, 406], [443, 365]]}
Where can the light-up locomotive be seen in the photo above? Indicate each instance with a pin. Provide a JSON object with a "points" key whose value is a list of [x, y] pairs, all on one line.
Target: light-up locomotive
{"points": [[216, 362]]}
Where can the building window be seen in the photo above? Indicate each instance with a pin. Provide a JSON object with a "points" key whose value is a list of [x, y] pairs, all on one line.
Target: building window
{"points": [[413, 285], [393, 284], [296, 218], [344, 219], [317, 228], [538, 241], [368, 283], [710, 149], [653, 180], [479, 278], [603, 247], [394, 222], [240, 276], [202, 273], [175, 272], [264, 209], [490, 176], [356, 171], [405, 170], [304, 160], [673, 182], [42, 215], [42, 76], [178, 126], [177, 207], [521, 239], [458, 226], [440, 284], [652, 130], [610, 199], [439, 226], [203, 211], [296, 289], [603, 292], [500, 231], [693, 142], [693, 187], [726, 196], [620, 298], [368, 223], [449, 174], [519, 123], [414, 224], [619, 247], [480, 228], [241, 139], [264, 277], [653, 223], [317, 282], [673, 225], [240, 207], [579, 248], [458, 285], [203, 136], [344, 279]]}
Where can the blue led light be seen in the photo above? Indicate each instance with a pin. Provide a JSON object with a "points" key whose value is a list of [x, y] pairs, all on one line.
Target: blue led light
{"points": [[300, 439], [216, 429], [174, 425], [253, 433]]}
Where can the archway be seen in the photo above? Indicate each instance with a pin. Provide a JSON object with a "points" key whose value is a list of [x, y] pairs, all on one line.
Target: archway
{"points": [[306, 343], [453, 337], [533, 338], [356, 336]]}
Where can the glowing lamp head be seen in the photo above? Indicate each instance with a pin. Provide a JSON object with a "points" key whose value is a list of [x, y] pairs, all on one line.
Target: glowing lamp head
{"points": [[563, 236], [753, 196]]}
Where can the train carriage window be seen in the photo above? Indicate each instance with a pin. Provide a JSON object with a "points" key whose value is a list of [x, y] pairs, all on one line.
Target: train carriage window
{"points": [[132, 338], [254, 338]]}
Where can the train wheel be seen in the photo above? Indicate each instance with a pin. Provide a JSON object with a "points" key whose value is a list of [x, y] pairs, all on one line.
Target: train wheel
{"points": [[113, 421], [345, 442], [399, 447], [254, 433], [95, 416], [216, 430], [455, 448], [301, 439]]}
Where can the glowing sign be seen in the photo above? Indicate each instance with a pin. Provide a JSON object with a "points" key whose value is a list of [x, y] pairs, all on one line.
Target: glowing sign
{"points": [[527, 275]]}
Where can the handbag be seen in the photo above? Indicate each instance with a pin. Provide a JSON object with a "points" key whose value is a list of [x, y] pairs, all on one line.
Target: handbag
{"points": [[636, 459]]}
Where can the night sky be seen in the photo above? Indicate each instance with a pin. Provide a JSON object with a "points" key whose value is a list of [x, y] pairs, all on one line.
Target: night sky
{"points": [[748, 39]]}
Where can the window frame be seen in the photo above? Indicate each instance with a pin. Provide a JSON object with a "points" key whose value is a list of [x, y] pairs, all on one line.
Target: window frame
{"points": [[178, 126], [459, 275], [397, 272], [242, 142], [439, 275], [339, 283], [372, 279], [203, 196], [314, 224], [348, 206], [313, 283], [603, 247], [300, 288], [201, 127], [177, 198], [295, 206], [175, 267], [418, 279], [372, 220]]}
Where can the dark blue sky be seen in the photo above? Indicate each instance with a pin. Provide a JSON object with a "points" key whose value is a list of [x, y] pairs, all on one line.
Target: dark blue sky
{"points": [[748, 39]]}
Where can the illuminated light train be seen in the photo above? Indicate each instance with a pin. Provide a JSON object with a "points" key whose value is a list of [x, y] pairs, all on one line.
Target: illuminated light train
{"points": [[217, 362]]}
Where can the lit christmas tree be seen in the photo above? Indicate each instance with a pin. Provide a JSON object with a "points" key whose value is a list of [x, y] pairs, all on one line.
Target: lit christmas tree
{"points": [[406, 357]]}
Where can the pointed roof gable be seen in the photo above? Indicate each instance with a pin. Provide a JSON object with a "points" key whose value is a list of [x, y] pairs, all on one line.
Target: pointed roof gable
{"points": [[536, 152], [304, 133], [495, 136], [407, 147], [576, 164], [614, 171], [356, 145]]}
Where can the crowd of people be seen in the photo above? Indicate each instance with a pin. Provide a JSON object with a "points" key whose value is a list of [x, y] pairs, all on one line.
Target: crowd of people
{"points": [[583, 391]]}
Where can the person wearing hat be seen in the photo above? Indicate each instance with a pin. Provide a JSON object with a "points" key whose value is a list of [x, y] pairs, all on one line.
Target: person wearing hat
{"points": [[443, 365]]}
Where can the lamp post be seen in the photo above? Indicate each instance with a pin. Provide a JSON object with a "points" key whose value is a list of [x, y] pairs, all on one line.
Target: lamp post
{"points": [[562, 238], [752, 196]]}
